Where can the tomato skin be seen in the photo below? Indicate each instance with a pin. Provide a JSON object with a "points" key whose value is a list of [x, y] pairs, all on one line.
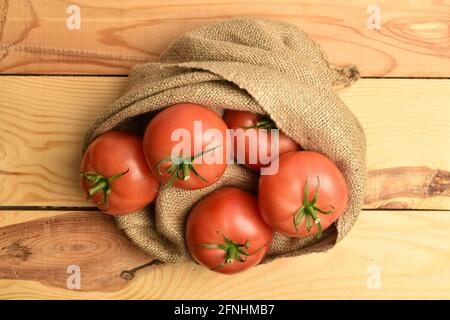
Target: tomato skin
{"points": [[240, 119], [281, 194], [158, 145], [114, 152], [234, 213]]}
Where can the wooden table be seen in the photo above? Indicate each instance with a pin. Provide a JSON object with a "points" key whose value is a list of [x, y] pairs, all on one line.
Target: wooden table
{"points": [[56, 78]]}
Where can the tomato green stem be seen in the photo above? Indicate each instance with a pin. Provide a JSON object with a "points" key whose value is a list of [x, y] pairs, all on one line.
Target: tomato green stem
{"points": [[263, 122], [309, 211], [181, 167], [100, 182], [232, 251], [97, 187]]}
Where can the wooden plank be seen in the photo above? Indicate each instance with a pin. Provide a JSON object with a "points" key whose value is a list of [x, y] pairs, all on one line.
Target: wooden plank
{"points": [[43, 249], [406, 155], [42, 122], [8, 218], [113, 36], [407, 250], [43, 119]]}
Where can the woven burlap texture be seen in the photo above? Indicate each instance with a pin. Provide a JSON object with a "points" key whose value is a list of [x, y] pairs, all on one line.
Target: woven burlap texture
{"points": [[250, 64]]}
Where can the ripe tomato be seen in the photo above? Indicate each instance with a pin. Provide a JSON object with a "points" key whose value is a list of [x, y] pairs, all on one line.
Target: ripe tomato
{"points": [[305, 196], [115, 175], [183, 168], [226, 233], [249, 149]]}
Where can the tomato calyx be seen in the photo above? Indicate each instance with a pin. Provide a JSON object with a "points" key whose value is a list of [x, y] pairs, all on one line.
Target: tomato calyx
{"points": [[181, 167], [100, 182], [264, 122], [309, 211], [233, 251]]}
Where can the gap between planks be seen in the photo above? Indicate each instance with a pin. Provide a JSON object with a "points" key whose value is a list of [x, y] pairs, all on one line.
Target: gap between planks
{"points": [[95, 209], [126, 75], [47, 208]]}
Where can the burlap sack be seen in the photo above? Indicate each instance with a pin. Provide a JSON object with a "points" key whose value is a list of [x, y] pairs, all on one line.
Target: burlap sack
{"points": [[248, 64]]}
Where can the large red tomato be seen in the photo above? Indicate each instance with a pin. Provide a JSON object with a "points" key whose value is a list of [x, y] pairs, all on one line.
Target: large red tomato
{"points": [[226, 233], [205, 134], [305, 196], [115, 175], [263, 142]]}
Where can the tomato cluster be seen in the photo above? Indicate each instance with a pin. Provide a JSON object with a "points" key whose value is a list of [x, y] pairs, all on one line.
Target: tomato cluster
{"points": [[230, 229]]}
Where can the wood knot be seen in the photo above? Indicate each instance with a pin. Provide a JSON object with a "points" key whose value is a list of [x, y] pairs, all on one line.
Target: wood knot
{"points": [[347, 76], [16, 250], [439, 184]]}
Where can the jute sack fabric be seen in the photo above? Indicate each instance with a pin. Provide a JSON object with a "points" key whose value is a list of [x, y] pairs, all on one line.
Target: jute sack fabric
{"points": [[250, 64]]}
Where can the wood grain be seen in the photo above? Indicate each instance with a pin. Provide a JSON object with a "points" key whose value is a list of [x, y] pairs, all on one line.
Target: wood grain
{"points": [[414, 39], [409, 248], [8, 218], [422, 182], [43, 120], [43, 249]]}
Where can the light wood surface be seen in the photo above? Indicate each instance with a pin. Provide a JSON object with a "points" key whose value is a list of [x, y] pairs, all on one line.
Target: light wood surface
{"points": [[400, 242], [44, 118], [414, 39], [409, 251]]}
